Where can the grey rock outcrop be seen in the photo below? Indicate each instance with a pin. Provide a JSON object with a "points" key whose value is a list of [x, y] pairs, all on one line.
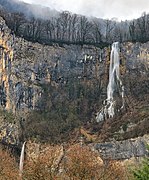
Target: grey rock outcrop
{"points": [[121, 150]]}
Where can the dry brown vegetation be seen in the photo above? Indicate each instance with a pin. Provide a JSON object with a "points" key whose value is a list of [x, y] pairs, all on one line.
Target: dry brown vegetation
{"points": [[76, 162], [41, 168], [82, 163], [44, 165], [8, 166]]}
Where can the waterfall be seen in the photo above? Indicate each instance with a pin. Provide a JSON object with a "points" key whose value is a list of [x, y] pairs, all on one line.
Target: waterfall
{"points": [[22, 159], [114, 80]]}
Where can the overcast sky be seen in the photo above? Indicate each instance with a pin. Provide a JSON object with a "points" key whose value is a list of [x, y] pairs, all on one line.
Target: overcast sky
{"points": [[121, 9]]}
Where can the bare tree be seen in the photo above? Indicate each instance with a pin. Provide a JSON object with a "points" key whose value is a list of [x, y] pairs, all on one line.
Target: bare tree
{"points": [[74, 26], [97, 31], [65, 19], [109, 26], [15, 21], [132, 30], [84, 29], [142, 27]]}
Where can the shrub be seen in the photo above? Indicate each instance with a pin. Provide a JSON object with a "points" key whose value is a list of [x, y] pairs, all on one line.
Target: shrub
{"points": [[43, 167], [8, 166], [142, 173], [82, 163]]}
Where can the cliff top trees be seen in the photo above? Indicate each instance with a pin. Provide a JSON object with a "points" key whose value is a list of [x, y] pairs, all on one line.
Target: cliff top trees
{"points": [[68, 28]]}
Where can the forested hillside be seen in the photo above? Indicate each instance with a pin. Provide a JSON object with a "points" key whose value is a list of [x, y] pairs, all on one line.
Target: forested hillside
{"points": [[30, 22]]}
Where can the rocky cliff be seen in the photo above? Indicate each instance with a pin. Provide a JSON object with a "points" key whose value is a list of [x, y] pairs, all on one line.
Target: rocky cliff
{"points": [[26, 66], [123, 149], [70, 79]]}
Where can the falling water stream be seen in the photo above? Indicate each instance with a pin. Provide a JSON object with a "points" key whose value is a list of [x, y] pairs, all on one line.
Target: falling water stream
{"points": [[22, 159], [108, 109]]}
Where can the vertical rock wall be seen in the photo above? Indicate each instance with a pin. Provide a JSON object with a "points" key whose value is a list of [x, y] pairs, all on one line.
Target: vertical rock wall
{"points": [[25, 67]]}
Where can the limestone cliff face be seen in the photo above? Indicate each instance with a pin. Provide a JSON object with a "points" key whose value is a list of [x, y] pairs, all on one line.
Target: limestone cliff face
{"points": [[6, 52], [26, 67]]}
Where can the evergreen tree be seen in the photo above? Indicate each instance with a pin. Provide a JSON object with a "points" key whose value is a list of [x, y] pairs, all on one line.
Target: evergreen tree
{"points": [[143, 172]]}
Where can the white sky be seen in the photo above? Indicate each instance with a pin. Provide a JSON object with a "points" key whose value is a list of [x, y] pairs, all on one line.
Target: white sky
{"points": [[121, 9]]}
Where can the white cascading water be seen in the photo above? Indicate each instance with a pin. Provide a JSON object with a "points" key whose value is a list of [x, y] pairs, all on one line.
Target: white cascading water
{"points": [[22, 159], [114, 78]]}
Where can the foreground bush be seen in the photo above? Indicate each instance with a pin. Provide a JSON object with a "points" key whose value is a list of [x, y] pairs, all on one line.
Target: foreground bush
{"points": [[8, 166], [142, 173], [56, 163], [75, 163], [84, 164], [41, 167], [81, 163]]}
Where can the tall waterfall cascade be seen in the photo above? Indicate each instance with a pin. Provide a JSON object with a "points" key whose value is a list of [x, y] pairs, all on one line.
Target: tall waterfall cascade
{"points": [[22, 159], [108, 109]]}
